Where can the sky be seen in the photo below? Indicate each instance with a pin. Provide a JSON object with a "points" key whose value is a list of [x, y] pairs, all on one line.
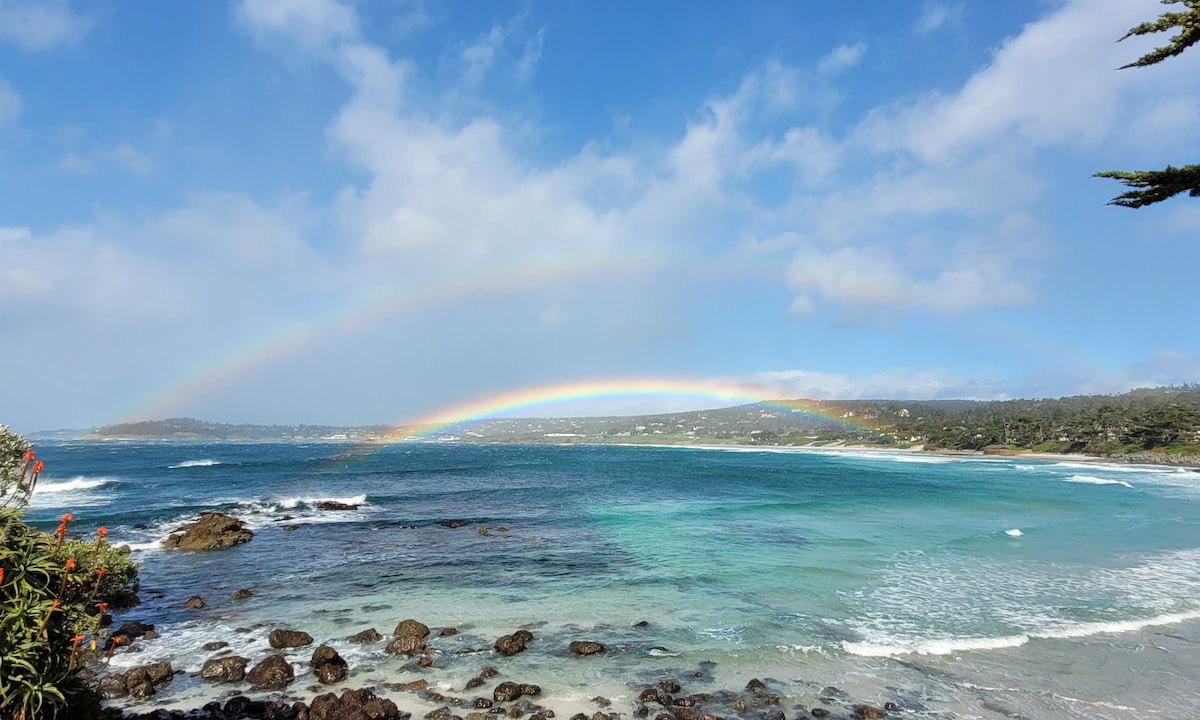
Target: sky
{"points": [[358, 212]]}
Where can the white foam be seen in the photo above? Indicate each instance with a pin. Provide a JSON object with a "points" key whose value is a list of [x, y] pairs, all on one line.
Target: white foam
{"points": [[194, 463], [294, 502], [1093, 480], [947, 646], [1014, 532], [79, 482]]}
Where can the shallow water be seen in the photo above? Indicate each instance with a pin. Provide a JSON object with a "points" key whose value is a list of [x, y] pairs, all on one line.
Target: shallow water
{"points": [[954, 587]]}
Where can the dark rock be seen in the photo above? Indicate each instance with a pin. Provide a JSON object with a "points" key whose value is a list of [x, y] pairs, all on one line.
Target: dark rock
{"points": [[482, 703], [328, 665], [334, 505], [242, 594], [586, 647], [448, 632], [602, 701], [648, 695], [506, 691], [830, 693], [211, 532], [137, 682], [215, 645], [641, 624], [442, 713], [601, 716], [867, 712], [159, 672], [231, 668], [819, 712], [528, 690], [474, 683], [775, 714], [414, 686], [756, 685], [122, 600], [366, 636], [669, 686], [195, 602], [150, 634], [290, 528], [280, 638], [112, 686], [891, 706], [409, 638], [453, 524], [488, 672], [425, 661], [134, 629], [512, 644], [273, 673]]}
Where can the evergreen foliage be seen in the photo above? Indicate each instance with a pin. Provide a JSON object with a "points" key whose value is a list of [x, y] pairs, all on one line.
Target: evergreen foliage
{"points": [[1152, 186]]}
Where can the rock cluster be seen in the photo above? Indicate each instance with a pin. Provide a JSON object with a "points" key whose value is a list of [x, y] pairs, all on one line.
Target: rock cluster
{"points": [[328, 666], [211, 532], [138, 682], [513, 644]]}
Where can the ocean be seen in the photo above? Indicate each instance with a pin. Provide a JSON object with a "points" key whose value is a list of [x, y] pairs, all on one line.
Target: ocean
{"points": [[953, 587]]}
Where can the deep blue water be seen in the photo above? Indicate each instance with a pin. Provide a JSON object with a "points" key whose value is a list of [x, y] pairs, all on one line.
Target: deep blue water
{"points": [[897, 575]]}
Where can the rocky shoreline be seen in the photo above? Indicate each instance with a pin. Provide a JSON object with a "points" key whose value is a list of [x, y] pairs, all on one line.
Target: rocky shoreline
{"points": [[263, 692], [264, 687]]}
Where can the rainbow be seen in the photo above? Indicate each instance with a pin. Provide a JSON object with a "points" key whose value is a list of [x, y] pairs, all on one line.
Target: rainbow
{"points": [[524, 400], [211, 373]]}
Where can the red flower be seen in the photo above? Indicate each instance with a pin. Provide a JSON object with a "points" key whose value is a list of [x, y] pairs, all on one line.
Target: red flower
{"points": [[66, 518], [29, 456], [37, 467], [70, 564], [101, 532]]}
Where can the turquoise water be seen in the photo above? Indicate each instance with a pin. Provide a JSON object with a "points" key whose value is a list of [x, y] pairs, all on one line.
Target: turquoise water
{"points": [[955, 587]]}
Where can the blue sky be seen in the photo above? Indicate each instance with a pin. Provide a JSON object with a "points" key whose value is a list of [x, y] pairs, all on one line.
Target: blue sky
{"points": [[359, 212]]}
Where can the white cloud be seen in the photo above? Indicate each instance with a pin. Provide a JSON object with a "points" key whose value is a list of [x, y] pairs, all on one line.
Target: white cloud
{"points": [[39, 25], [478, 57], [314, 24], [896, 383], [132, 159], [532, 55], [10, 103], [841, 58], [936, 14], [76, 165]]}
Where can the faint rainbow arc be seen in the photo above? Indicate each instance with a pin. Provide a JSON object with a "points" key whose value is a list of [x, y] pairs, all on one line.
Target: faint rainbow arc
{"points": [[211, 373]]}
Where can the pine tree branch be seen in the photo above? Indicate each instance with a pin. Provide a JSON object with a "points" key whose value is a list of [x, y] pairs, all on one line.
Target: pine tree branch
{"points": [[1152, 186], [1188, 23]]}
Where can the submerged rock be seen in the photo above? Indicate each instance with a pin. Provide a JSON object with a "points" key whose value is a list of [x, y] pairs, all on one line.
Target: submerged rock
{"points": [[586, 647], [195, 602], [366, 636], [335, 506], [212, 531]]}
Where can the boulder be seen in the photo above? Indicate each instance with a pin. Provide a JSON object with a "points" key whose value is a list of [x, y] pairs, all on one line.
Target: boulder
{"points": [[513, 644], [273, 673], [328, 666], [506, 691], [333, 505], [215, 645], [195, 602], [409, 638], [281, 639], [586, 647], [867, 712], [224, 669], [366, 636], [211, 532], [242, 594]]}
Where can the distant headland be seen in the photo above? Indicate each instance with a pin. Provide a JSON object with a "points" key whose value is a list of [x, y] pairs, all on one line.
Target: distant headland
{"points": [[1160, 425]]}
